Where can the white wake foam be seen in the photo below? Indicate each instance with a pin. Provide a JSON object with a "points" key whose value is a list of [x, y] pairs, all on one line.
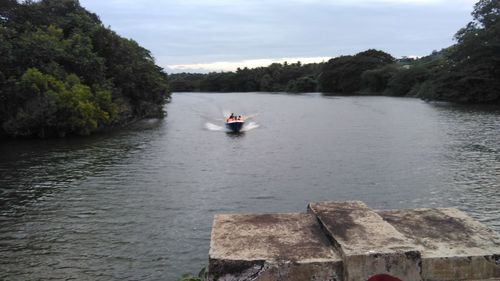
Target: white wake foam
{"points": [[217, 124], [213, 127], [250, 126]]}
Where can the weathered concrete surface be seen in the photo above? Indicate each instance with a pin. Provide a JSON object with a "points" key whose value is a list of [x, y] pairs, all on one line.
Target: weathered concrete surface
{"points": [[271, 247], [348, 241], [368, 244], [453, 245]]}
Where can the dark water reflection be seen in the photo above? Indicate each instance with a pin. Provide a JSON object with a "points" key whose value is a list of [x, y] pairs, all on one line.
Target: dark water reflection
{"points": [[137, 204]]}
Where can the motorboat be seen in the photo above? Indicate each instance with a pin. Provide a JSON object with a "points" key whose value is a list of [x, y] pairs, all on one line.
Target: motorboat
{"points": [[234, 123]]}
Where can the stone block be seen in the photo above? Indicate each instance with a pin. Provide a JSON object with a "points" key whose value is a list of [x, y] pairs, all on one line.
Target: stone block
{"points": [[271, 247], [453, 245], [369, 245]]}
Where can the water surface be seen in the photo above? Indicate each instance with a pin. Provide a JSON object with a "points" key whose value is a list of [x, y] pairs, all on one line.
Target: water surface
{"points": [[137, 204]]}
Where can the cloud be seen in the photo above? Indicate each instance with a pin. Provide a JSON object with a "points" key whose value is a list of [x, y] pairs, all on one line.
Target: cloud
{"points": [[399, 2], [233, 65], [214, 34]]}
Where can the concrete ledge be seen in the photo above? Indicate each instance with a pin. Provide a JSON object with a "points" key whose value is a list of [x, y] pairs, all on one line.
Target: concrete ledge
{"points": [[453, 245], [270, 245], [368, 244], [338, 241]]}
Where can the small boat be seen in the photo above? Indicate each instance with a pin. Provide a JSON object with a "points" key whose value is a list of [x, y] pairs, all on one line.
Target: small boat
{"points": [[235, 124]]}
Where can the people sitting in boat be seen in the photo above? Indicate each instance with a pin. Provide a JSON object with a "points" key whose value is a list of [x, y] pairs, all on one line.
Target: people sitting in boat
{"points": [[232, 117]]}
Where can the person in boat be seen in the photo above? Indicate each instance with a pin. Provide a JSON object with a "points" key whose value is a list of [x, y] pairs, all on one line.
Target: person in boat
{"points": [[231, 117]]}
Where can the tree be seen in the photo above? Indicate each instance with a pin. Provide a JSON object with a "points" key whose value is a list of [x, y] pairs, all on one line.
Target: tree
{"points": [[343, 74], [302, 85], [62, 72], [376, 80], [472, 71], [402, 82]]}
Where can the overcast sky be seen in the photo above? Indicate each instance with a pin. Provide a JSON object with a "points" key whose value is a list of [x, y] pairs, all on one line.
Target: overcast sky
{"points": [[214, 35]]}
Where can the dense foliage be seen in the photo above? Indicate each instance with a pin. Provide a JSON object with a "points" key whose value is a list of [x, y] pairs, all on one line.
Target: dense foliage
{"points": [[276, 77], [471, 70], [468, 71], [338, 75], [62, 72], [343, 74]]}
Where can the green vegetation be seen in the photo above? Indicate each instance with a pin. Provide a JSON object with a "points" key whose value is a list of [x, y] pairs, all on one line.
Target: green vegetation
{"points": [[470, 71], [189, 277], [62, 72], [467, 72], [277, 77], [202, 276], [344, 74]]}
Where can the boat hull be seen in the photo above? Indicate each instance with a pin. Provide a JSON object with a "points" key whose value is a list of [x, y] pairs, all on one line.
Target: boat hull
{"points": [[235, 126]]}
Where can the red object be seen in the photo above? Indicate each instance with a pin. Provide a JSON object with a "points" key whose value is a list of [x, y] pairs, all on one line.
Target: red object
{"points": [[383, 277]]}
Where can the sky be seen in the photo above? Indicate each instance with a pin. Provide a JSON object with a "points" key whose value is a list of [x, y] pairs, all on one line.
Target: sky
{"points": [[221, 35]]}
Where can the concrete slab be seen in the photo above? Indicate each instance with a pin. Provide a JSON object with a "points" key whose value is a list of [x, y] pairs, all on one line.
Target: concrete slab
{"points": [[348, 241], [368, 244], [453, 245], [271, 247]]}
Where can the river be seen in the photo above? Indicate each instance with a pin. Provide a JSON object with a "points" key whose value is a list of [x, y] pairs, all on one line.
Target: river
{"points": [[137, 203]]}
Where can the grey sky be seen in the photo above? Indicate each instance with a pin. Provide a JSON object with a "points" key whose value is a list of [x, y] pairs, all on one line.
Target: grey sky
{"points": [[199, 35]]}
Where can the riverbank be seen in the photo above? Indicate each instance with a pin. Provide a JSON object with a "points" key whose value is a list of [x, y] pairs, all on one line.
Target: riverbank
{"points": [[466, 72], [63, 73]]}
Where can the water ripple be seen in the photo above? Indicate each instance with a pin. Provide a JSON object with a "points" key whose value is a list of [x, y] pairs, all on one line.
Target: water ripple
{"points": [[137, 204]]}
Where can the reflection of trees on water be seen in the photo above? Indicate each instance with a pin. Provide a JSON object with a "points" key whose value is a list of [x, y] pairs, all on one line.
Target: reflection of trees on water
{"points": [[30, 169]]}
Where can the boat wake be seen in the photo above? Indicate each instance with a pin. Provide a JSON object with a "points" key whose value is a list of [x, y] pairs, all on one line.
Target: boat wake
{"points": [[247, 127], [212, 127], [214, 124], [250, 126]]}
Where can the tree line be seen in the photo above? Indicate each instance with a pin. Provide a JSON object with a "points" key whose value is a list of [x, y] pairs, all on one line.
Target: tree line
{"points": [[62, 72], [467, 72]]}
